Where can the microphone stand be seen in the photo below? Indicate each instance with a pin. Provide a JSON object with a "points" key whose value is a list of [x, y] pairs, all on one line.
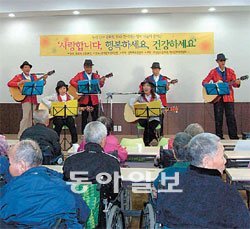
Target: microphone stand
{"points": [[110, 96]]}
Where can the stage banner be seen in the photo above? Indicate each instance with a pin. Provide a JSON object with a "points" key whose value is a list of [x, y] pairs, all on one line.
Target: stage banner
{"points": [[127, 44]]}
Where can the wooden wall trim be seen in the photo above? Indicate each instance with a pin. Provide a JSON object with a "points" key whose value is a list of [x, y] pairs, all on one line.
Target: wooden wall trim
{"points": [[11, 114]]}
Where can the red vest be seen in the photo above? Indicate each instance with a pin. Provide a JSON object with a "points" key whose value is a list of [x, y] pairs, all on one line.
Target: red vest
{"points": [[215, 77], [84, 100], [13, 83]]}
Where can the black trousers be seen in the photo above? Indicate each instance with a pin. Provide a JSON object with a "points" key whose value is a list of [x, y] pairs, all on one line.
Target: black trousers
{"points": [[219, 109], [149, 131], [59, 122], [162, 123], [85, 115]]}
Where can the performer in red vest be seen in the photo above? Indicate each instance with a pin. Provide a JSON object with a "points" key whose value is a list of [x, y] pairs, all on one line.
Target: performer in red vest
{"points": [[225, 102], [18, 80], [156, 79], [89, 103], [61, 95], [148, 95]]}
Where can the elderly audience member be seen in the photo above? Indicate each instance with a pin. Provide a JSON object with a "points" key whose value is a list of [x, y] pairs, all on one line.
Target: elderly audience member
{"points": [[4, 162], [93, 161], [200, 199], [38, 197], [47, 138], [192, 129], [180, 143], [112, 144]]}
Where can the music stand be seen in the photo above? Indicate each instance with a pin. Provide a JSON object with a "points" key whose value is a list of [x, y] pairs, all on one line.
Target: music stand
{"points": [[33, 88], [148, 110], [88, 87], [217, 88], [161, 87], [64, 109]]}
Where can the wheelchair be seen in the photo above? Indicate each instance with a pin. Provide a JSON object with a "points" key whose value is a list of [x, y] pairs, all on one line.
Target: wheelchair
{"points": [[105, 209]]}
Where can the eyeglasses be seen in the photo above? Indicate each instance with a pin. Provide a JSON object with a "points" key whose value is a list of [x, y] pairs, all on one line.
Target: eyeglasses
{"points": [[222, 60]]}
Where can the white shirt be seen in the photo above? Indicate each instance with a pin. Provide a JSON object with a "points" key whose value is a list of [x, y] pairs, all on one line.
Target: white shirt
{"points": [[64, 98], [89, 75], [27, 77], [148, 97], [156, 78]]}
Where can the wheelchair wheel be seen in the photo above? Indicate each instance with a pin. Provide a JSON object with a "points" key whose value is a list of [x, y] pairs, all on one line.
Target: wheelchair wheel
{"points": [[115, 218], [126, 205], [147, 219]]}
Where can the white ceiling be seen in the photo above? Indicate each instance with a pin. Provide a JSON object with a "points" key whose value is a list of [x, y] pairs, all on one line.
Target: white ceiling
{"points": [[24, 8]]}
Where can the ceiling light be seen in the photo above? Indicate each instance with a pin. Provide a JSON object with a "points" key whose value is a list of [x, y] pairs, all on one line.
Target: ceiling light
{"points": [[144, 11], [76, 12], [12, 15], [211, 9]]}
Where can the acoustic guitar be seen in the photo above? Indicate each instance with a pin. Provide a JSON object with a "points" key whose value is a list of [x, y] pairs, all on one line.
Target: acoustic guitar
{"points": [[129, 115], [213, 98], [16, 92], [73, 91]]}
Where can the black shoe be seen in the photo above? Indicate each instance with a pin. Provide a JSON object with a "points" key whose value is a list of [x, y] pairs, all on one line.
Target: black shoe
{"points": [[234, 138]]}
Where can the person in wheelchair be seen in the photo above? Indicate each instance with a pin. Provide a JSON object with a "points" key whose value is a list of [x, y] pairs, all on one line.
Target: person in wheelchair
{"points": [[200, 198], [38, 197], [47, 139], [180, 153], [5, 176], [92, 164]]}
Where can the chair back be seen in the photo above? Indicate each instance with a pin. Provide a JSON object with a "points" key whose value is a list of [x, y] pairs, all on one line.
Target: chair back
{"points": [[131, 142]]}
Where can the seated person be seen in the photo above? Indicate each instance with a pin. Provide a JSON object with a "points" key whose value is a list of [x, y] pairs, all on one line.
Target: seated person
{"points": [[204, 200], [93, 161], [180, 144], [47, 138], [4, 162], [61, 95], [38, 197], [192, 129], [148, 95], [112, 144]]}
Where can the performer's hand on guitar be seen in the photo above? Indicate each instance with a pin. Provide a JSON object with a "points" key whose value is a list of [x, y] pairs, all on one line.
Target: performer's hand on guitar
{"points": [[90, 109], [82, 108], [102, 79], [22, 82], [237, 82]]}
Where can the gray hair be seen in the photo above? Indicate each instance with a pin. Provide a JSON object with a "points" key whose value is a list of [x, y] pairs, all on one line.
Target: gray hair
{"points": [[40, 116], [95, 132], [29, 152], [202, 145], [193, 129], [180, 146]]}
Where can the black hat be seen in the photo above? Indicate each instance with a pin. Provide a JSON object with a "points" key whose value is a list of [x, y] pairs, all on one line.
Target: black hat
{"points": [[156, 65], [149, 82], [88, 62], [61, 84], [221, 56], [25, 63]]}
